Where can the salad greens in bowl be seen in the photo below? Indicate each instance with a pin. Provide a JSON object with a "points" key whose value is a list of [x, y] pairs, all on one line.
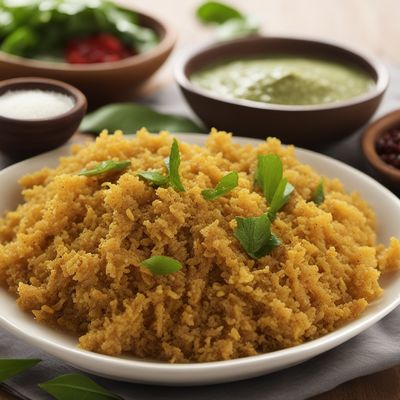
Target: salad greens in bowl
{"points": [[104, 49], [76, 31]]}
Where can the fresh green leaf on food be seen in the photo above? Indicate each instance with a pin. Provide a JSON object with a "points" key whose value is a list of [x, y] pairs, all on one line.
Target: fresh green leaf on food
{"points": [[172, 178], [75, 386], [11, 367], [269, 177], [173, 167], [154, 177], [255, 236], [216, 12], [319, 194], [106, 166], [224, 186], [268, 174], [162, 265], [131, 117], [280, 198]]}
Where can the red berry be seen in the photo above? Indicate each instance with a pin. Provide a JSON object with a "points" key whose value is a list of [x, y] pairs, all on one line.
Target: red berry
{"points": [[98, 48]]}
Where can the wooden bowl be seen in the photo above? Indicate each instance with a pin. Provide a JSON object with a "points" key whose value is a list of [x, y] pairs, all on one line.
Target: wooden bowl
{"points": [[303, 125], [102, 82], [24, 138], [390, 174]]}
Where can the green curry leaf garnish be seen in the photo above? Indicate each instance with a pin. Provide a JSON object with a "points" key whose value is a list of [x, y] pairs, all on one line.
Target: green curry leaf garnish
{"points": [[162, 265], [154, 177], [173, 167], [268, 174], [255, 236], [319, 194], [269, 177], [224, 186], [280, 198], [104, 167], [172, 178]]}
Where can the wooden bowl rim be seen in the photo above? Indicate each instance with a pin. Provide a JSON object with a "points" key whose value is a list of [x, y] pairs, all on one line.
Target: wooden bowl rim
{"points": [[369, 138]]}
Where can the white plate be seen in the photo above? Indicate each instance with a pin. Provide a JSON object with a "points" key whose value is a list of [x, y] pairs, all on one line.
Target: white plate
{"points": [[387, 208]]}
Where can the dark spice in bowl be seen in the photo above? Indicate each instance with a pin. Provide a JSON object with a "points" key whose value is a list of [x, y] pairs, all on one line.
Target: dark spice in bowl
{"points": [[381, 148], [388, 147]]}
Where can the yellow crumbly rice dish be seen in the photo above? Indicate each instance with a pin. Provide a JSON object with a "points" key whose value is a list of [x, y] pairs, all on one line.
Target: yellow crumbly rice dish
{"points": [[72, 253]]}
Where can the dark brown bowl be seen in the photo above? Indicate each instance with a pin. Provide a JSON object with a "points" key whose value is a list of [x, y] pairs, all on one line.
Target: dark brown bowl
{"points": [[304, 125], [388, 173], [102, 82], [24, 138]]}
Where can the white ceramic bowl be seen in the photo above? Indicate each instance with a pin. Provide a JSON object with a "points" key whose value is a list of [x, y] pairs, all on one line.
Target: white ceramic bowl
{"points": [[63, 346]]}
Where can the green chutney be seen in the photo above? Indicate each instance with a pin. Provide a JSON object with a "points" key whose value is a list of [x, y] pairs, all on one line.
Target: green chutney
{"points": [[290, 80]]}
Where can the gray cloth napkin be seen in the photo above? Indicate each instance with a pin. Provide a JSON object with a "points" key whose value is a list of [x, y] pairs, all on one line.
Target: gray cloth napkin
{"points": [[374, 350]]}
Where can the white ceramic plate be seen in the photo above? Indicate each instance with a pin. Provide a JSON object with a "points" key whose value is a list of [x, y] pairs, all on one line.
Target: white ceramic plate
{"points": [[387, 208]]}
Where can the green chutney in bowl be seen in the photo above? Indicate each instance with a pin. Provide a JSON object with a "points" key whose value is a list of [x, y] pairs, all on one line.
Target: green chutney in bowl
{"points": [[285, 79], [306, 92]]}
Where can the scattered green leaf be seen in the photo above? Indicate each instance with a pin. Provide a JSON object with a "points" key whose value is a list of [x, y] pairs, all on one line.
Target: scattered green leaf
{"points": [[268, 174], [238, 27], [11, 367], [172, 179], [75, 386], [319, 194], [216, 12], [106, 166], [154, 177], [131, 117], [173, 167], [224, 186], [232, 23], [162, 265], [280, 198], [255, 236]]}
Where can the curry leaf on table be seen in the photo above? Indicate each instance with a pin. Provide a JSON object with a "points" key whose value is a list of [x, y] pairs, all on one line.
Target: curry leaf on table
{"points": [[106, 166], [130, 117], [238, 27], [255, 236], [224, 186], [11, 367], [216, 12], [232, 23], [162, 265], [76, 386]]}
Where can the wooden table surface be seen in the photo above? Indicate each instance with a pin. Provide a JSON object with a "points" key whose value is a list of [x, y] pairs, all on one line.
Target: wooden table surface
{"points": [[369, 25]]}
